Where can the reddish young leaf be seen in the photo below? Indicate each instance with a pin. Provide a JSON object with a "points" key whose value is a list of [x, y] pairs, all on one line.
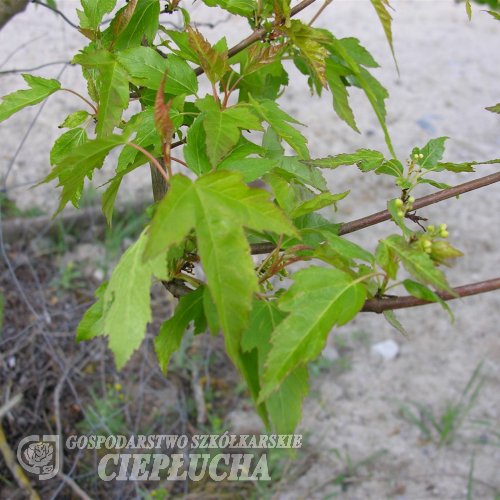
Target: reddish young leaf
{"points": [[214, 64], [124, 17], [163, 122]]}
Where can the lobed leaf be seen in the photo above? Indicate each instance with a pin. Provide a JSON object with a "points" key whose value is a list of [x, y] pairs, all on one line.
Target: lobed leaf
{"points": [[95, 9], [41, 88], [168, 341], [218, 205], [214, 63], [386, 20], [127, 307], [339, 92], [415, 261], [279, 121], [365, 159], [285, 405], [432, 152], [318, 300], [143, 23]]}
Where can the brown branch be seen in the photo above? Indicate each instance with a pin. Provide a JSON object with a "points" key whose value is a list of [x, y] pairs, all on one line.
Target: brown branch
{"points": [[259, 34], [371, 220], [380, 305], [445, 194]]}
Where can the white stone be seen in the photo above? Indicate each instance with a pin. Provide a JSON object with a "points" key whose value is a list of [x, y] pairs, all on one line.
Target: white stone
{"points": [[388, 349]]}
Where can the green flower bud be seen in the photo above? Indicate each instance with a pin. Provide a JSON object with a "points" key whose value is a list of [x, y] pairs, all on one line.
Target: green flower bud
{"points": [[443, 227], [427, 243], [411, 199], [430, 228], [398, 202], [428, 250], [400, 213], [420, 155], [416, 156], [444, 234]]}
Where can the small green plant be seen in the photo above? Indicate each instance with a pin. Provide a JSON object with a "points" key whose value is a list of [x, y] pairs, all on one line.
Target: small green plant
{"points": [[351, 469], [443, 431], [68, 278], [104, 414]]}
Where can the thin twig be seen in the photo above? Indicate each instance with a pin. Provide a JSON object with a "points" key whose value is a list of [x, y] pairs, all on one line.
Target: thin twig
{"points": [[259, 34], [57, 11], [29, 70], [381, 305], [431, 199], [76, 489], [10, 405], [323, 7], [371, 220], [179, 161], [82, 98], [153, 160]]}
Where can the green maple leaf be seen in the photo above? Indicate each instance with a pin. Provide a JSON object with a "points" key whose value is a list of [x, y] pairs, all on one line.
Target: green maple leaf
{"points": [[494, 109], [415, 261], [74, 167], [143, 23], [432, 152], [126, 301], [195, 150], [223, 127], [305, 39], [333, 72], [146, 136], [168, 341], [318, 300], [95, 10], [365, 159], [218, 206], [386, 20], [213, 62], [285, 405], [66, 143], [146, 68], [374, 91], [270, 112], [290, 167], [41, 88], [296, 199], [114, 88]]}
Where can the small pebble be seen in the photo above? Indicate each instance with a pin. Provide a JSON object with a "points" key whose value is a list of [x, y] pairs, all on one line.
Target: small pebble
{"points": [[388, 349]]}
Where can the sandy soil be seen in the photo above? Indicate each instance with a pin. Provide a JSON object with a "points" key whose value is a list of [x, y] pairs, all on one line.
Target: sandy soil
{"points": [[450, 70]]}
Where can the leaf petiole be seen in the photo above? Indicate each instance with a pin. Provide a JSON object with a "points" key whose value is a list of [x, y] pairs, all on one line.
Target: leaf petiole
{"points": [[82, 98]]}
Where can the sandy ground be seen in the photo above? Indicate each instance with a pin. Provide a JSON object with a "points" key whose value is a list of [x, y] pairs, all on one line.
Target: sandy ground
{"points": [[450, 70]]}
